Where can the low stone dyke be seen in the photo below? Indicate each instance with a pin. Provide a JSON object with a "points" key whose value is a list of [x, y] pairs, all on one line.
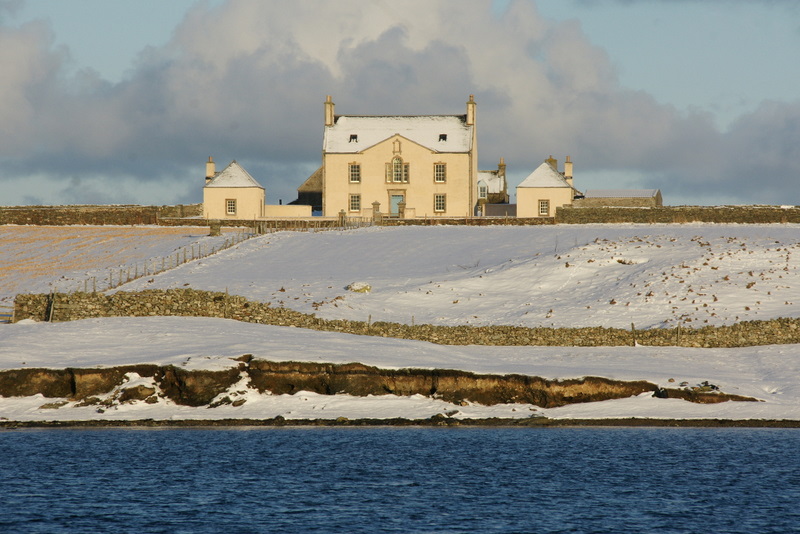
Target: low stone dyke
{"points": [[469, 221], [196, 303], [679, 214], [266, 225], [192, 215], [123, 215], [105, 387]]}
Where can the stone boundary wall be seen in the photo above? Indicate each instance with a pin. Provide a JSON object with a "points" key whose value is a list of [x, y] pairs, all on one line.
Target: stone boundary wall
{"points": [[679, 214], [269, 225], [194, 303], [192, 215], [123, 215], [608, 202], [469, 221]]}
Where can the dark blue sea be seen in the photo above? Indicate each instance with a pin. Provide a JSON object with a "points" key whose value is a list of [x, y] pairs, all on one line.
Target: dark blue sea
{"points": [[390, 479]]}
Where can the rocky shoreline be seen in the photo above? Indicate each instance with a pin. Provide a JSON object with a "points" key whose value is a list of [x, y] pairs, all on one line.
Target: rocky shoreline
{"points": [[108, 388], [435, 421]]}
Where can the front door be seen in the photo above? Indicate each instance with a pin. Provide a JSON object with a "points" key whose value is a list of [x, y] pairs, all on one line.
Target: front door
{"points": [[395, 204]]}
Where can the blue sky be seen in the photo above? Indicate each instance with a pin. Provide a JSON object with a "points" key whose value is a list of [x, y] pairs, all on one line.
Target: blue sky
{"points": [[113, 101]]}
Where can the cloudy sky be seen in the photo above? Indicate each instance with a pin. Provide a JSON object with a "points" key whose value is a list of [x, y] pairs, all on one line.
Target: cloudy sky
{"points": [[122, 101]]}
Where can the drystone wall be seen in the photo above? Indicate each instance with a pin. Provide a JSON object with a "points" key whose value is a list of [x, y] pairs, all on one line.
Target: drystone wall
{"points": [[190, 302], [469, 221], [192, 215], [628, 202], [123, 215], [679, 214]]}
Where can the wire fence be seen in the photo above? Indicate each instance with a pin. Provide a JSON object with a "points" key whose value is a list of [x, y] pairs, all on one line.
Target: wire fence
{"points": [[117, 276], [312, 225], [112, 278]]}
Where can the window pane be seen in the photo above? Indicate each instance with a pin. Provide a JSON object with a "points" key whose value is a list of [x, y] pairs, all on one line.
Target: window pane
{"points": [[544, 207], [355, 202], [397, 173], [355, 172], [439, 172], [439, 202]]}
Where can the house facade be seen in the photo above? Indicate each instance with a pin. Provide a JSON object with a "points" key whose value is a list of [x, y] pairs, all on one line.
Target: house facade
{"points": [[401, 166], [231, 193], [545, 189]]}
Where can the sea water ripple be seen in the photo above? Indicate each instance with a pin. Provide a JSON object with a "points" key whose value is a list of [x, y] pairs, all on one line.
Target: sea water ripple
{"points": [[398, 480]]}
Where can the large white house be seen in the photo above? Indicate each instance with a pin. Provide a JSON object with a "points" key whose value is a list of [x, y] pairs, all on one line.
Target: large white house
{"points": [[404, 166]]}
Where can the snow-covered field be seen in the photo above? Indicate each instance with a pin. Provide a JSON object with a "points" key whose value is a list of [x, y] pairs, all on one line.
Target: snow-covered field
{"points": [[582, 275], [40, 259], [569, 275]]}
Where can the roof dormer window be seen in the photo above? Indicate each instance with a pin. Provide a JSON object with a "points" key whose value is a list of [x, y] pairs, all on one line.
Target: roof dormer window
{"points": [[442, 137], [354, 138]]}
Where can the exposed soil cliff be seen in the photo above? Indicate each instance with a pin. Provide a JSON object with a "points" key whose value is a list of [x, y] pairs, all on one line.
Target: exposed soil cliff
{"points": [[202, 387]]}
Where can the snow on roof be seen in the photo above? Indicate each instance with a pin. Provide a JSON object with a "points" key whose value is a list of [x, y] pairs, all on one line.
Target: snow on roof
{"points": [[440, 133], [621, 193], [492, 180], [544, 176], [233, 176]]}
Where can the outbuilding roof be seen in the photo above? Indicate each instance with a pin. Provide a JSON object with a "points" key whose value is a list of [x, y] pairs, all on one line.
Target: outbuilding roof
{"points": [[621, 193], [350, 134], [544, 176], [233, 175], [492, 180]]}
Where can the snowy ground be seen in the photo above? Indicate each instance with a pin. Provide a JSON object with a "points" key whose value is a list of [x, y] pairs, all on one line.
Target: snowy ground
{"points": [[582, 275], [40, 259], [568, 275]]}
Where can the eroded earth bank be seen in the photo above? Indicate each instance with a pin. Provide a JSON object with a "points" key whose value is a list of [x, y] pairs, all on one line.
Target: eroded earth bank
{"points": [[106, 387]]}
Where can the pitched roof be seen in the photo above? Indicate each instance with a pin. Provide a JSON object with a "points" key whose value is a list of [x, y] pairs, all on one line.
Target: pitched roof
{"points": [[621, 193], [439, 133], [313, 183], [492, 180], [233, 176], [544, 176]]}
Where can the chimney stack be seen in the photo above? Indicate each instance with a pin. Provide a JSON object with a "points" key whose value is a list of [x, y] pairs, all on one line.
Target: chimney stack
{"points": [[211, 169], [329, 117], [568, 171], [471, 111]]}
